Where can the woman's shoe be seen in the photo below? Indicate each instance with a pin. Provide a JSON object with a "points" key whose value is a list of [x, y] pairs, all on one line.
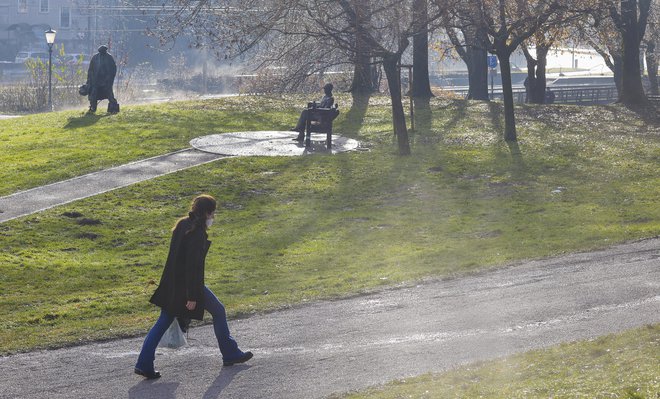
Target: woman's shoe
{"points": [[150, 375], [242, 359]]}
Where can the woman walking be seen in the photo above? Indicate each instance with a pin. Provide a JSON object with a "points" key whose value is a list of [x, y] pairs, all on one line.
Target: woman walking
{"points": [[182, 293]]}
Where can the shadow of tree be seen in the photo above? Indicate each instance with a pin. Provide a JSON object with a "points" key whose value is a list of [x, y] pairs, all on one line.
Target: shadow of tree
{"points": [[519, 168], [496, 110], [459, 108], [85, 120], [355, 116], [649, 113], [423, 115]]}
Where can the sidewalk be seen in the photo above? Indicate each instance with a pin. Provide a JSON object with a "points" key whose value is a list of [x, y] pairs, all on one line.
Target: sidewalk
{"points": [[41, 198]]}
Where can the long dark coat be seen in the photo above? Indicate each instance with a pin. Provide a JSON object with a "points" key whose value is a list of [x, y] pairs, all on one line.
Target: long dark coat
{"points": [[101, 75], [183, 276]]}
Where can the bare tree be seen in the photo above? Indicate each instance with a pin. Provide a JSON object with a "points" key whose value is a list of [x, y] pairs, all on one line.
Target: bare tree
{"points": [[307, 37], [597, 29], [630, 18], [421, 85], [365, 75], [470, 40], [509, 23], [652, 42]]}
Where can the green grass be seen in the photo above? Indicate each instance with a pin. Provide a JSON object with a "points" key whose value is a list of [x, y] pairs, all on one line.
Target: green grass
{"points": [[290, 230], [49, 147], [615, 366]]}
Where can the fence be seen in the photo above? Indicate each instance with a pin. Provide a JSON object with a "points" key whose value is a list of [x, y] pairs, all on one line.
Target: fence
{"points": [[584, 95]]}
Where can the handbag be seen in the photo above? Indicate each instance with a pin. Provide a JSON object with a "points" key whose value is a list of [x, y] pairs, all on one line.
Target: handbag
{"points": [[113, 108], [173, 337]]}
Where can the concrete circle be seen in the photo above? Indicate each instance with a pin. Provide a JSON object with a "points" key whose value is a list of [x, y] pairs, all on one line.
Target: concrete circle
{"points": [[269, 143]]}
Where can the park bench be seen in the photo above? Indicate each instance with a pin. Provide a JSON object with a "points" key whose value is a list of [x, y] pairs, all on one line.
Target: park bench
{"points": [[319, 120]]}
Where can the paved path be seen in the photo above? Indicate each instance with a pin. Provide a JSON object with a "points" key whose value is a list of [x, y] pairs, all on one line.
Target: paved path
{"points": [[331, 347], [206, 149], [40, 198]]}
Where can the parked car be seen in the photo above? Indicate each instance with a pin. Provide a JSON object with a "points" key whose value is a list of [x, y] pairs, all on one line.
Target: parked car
{"points": [[23, 56]]}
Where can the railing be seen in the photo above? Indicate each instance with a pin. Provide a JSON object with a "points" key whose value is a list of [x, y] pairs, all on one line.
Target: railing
{"points": [[584, 95]]}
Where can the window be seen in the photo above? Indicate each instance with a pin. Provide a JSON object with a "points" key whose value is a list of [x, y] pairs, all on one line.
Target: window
{"points": [[44, 6], [22, 6], [65, 17]]}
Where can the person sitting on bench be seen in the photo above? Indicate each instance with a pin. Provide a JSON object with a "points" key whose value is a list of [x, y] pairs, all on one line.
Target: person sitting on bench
{"points": [[326, 102]]}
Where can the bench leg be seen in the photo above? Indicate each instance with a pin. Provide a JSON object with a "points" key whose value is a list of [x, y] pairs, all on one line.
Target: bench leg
{"points": [[308, 133]]}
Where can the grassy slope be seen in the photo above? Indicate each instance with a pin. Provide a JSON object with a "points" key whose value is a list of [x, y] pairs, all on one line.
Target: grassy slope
{"points": [[296, 229], [616, 366], [44, 148]]}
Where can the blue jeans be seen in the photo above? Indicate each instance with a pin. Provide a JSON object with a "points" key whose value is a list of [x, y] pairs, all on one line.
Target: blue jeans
{"points": [[227, 344]]}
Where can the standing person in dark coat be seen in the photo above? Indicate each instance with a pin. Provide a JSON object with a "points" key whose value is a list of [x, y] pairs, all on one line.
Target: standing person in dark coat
{"points": [[100, 78], [326, 102], [182, 293]]}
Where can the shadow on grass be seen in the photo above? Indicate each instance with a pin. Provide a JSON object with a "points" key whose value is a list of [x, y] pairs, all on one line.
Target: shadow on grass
{"points": [[423, 117], [355, 116], [519, 168], [649, 112], [496, 111], [85, 120], [460, 113]]}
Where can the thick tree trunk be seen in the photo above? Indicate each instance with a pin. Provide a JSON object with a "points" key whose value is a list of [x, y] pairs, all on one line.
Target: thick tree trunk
{"points": [[477, 73], [538, 80], [507, 91], [652, 67], [363, 69], [632, 91], [421, 87], [618, 73], [398, 116]]}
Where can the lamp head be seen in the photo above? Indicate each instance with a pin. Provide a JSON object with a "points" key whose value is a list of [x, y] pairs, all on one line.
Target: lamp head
{"points": [[50, 36]]}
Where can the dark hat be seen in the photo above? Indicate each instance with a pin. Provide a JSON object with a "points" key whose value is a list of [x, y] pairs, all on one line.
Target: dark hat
{"points": [[103, 49]]}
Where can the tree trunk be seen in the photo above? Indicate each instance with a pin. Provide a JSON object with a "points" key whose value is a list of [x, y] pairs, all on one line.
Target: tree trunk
{"points": [[398, 116], [363, 69], [477, 73], [507, 91], [530, 80], [540, 80], [652, 67], [618, 73], [363, 83], [632, 91], [421, 87]]}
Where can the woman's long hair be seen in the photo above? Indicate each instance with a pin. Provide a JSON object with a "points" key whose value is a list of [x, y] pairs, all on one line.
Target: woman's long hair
{"points": [[201, 206]]}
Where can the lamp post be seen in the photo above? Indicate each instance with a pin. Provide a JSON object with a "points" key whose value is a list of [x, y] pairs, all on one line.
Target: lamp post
{"points": [[50, 39]]}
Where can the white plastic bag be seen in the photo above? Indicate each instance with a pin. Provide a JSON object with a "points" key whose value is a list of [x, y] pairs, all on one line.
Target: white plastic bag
{"points": [[173, 337]]}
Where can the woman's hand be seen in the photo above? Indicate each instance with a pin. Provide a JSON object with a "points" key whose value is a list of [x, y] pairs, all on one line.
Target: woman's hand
{"points": [[191, 305]]}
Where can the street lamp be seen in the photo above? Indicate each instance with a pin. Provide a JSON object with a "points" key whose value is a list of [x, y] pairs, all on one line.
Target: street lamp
{"points": [[50, 39]]}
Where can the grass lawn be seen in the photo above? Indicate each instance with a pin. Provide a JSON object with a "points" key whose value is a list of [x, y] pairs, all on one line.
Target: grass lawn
{"points": [[615, 366], [290, 230]]}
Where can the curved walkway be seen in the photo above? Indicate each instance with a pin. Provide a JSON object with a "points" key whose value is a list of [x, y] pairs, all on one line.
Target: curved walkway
{"points": [[332, 347], [206, 149]]}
